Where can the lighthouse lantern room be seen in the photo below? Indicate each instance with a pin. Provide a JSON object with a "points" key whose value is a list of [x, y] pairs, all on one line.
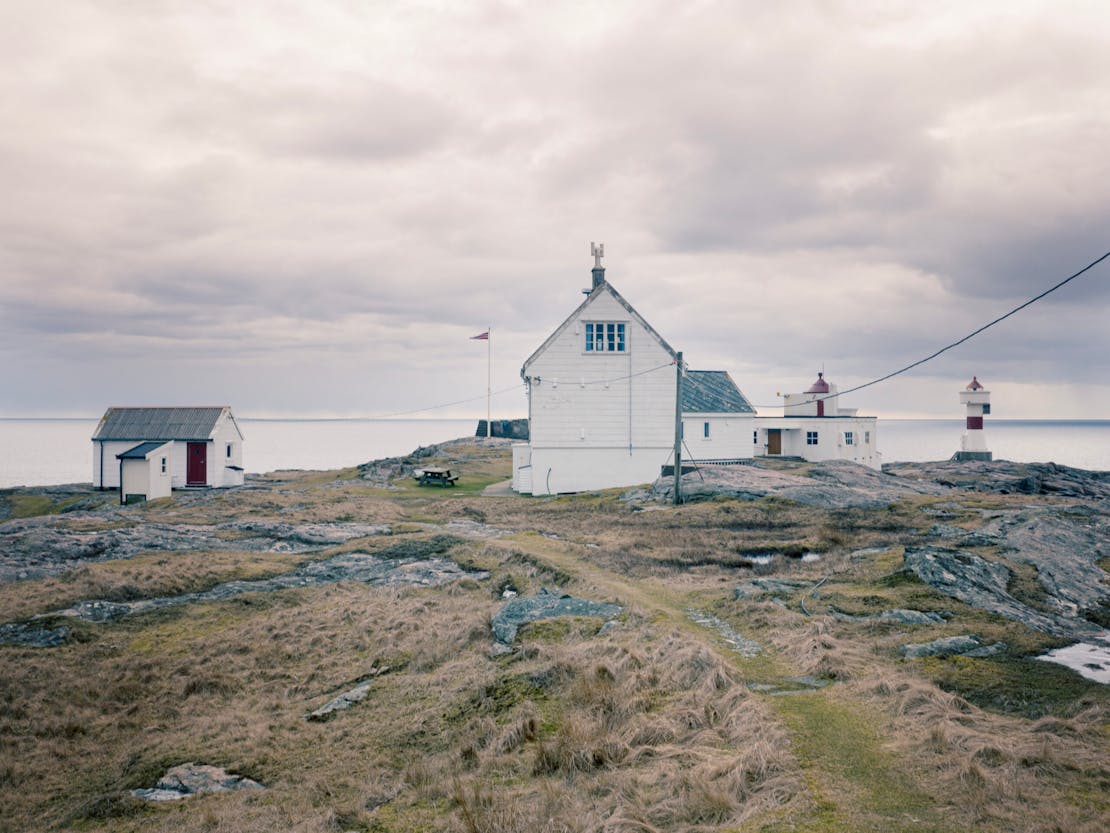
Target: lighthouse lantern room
{"points": [[977, 400]]}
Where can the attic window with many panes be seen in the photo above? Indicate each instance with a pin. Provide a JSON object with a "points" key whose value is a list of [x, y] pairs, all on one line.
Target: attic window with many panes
{"points": [[605, 337]]}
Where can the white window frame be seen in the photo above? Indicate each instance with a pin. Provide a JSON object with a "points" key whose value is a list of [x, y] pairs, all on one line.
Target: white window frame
{"points": [[849, 438], [163, 465], [705, 431], [228, 454], [812, 438], [605, 338]]}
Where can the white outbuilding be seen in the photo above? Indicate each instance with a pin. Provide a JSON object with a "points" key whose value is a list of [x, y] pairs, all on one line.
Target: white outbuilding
{"points": [[204, 445], [144, 472], [601, 402], [814, 427], [716, 419]]}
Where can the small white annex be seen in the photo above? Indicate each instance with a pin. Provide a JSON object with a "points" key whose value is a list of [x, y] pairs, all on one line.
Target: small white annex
{"points": [[717, 419], [814, 427], [203, 447], [144, 472], [601, 403]]}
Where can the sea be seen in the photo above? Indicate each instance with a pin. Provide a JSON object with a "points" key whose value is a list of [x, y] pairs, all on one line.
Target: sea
{"points": [[45, 452]]}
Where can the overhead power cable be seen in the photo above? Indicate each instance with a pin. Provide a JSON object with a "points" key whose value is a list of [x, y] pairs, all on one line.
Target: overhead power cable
{"points": [[968, 337]]}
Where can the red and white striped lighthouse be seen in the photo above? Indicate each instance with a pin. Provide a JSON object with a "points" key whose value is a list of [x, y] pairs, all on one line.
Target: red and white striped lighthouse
{"points": [[977, 400]]}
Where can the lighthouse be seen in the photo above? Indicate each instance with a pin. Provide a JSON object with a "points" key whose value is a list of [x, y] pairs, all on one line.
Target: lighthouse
{"points": [[977, 400]]}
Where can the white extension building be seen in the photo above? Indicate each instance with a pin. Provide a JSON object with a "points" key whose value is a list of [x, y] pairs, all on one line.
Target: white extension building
{"points": [[203, 446], [717, 419], [814, 427], [601, 403]]}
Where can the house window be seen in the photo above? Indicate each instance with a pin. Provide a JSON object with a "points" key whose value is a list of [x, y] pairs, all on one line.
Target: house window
{"points": [[228, 455], [849, 438], [811, 438], [755, 436], [705, 430], [867, 437], [163, 465], [605, 337]]}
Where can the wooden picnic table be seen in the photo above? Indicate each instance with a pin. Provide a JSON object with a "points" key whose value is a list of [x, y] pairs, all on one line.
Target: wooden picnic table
{"points": [[435, 477]]}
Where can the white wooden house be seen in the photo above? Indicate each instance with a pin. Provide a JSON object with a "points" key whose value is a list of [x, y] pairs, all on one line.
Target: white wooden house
{"points": [[814, 427], [204, 445], [601, 403]]}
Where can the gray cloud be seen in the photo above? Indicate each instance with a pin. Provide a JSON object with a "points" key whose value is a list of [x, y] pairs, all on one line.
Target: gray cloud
{"points": [[309, 209]]}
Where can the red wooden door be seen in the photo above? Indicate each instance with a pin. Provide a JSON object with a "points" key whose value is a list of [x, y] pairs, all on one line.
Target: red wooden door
{"points": [[774, 441], [196, 468]]}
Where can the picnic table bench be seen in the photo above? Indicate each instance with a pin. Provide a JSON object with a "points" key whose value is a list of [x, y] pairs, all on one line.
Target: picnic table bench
{"points": [[435, 477]]}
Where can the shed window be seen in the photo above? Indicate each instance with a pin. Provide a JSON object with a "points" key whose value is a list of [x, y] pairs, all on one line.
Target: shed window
{"points": [[849, 438], [705, 430], [811, 438], [163, 465], [605, 337], [228, 454], [755, 436]]}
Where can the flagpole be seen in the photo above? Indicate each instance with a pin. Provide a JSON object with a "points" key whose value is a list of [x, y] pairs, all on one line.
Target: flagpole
{"points": [[489, 373]]}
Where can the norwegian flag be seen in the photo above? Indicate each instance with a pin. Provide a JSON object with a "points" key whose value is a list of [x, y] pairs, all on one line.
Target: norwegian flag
{"points": [[481, 336]]}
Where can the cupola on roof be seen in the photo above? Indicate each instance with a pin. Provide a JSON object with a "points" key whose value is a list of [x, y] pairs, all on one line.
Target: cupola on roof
{"points": [[820, 386]]}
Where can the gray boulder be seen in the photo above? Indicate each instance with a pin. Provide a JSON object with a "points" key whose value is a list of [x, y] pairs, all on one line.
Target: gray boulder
{"points": [[544, 605], [897, 616], [965, 645], [191, 779]]}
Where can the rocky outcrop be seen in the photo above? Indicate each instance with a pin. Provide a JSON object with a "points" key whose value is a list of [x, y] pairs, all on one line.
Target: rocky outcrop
{"points": [[187, 780], [37, 547], [544, 605], [405, 564], [897, 616], [985, 584], [966, 645], [1005, 477], [348, 698], [831, 485], [733, 639]]}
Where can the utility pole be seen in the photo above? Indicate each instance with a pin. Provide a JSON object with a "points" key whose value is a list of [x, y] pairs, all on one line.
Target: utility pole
{"points": [[678, 431]]}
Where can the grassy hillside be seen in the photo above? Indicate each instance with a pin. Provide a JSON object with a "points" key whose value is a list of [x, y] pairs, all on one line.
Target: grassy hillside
{"points": [[650, 723]]}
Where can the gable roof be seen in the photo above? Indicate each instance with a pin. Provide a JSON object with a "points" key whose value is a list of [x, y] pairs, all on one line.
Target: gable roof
{"points": [[603, 286], [712, 392], [163, 424], [140, 451]]}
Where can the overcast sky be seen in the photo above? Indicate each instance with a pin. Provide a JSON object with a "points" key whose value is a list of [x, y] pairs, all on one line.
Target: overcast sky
{"points": [[308, 208]]}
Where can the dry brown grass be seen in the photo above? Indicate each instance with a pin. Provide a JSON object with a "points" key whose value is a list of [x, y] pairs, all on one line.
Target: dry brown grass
{"points": [[650, 726]]}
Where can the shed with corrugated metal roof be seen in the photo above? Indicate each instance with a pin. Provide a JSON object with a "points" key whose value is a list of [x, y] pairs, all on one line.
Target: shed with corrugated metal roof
{"points": [[205, 444]]}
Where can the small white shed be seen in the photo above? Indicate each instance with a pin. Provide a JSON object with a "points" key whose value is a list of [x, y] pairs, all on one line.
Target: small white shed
{"points": [[205, 444], [144, 472]]}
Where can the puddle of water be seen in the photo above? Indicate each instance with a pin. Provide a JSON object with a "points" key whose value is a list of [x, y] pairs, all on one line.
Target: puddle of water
{"points": [[1090, 659]]}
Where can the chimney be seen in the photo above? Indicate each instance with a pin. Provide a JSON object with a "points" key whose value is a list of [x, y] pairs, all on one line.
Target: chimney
{"points": [[598, 251]]}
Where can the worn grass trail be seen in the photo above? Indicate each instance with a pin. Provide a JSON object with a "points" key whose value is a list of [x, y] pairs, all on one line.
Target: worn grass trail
{"points": [[853, 783]]}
